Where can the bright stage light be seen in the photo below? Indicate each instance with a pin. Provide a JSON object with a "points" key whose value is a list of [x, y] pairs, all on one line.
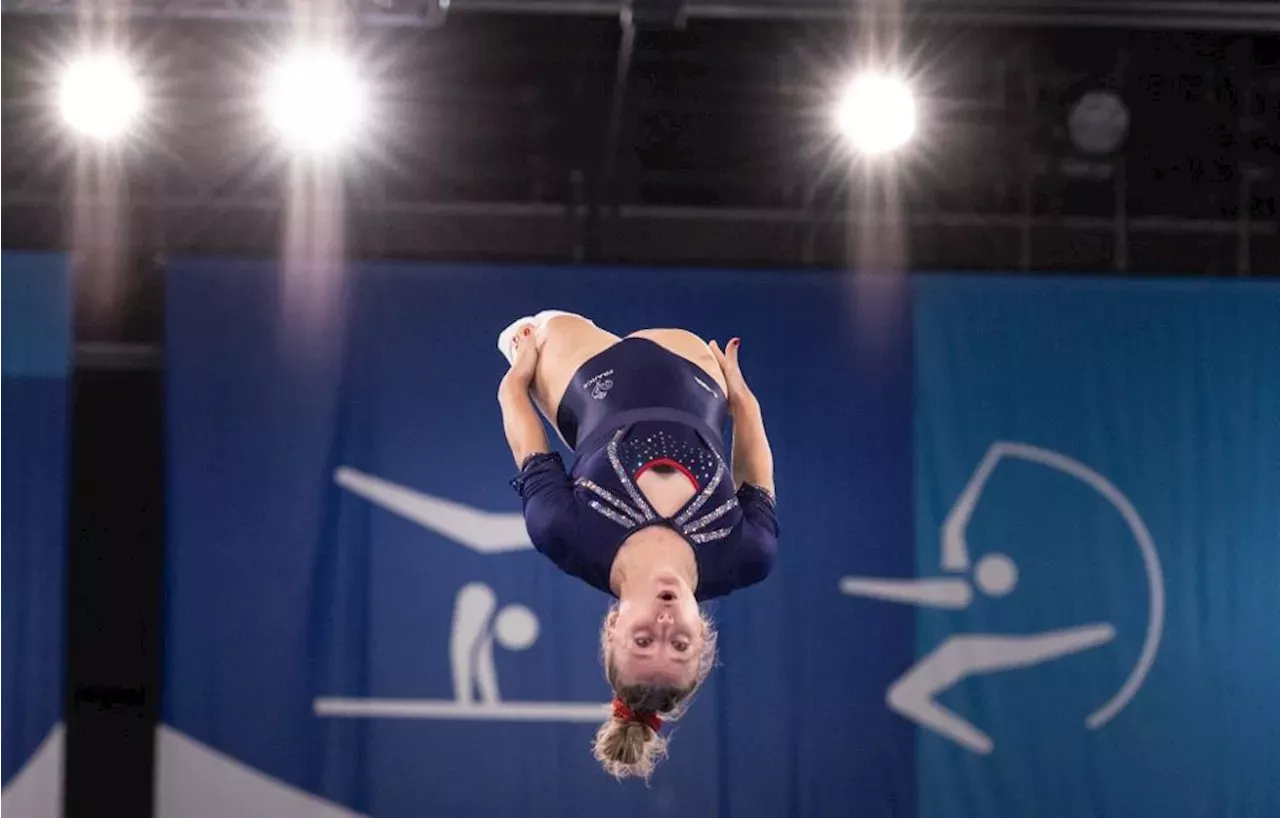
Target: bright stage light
{"points": [[877, 113], [1098, 122], [100, 96], [316, 100]]}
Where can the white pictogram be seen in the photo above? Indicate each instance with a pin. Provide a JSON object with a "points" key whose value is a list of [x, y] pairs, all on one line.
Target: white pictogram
{"points": [[484, 532], [478, 624], [914, 694]]}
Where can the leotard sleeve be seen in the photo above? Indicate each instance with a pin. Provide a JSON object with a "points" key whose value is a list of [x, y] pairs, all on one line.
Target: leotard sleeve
{"points": [[551, 511], [747, 556], [756, 546]]}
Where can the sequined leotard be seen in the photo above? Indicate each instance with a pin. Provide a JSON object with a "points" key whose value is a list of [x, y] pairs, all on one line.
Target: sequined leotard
{"points": [[580, 519]]}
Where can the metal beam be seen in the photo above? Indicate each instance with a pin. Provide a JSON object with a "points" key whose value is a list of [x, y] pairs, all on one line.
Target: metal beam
{"points": [[371, 13], [516, 211], [1249, 17], [779, 238]]}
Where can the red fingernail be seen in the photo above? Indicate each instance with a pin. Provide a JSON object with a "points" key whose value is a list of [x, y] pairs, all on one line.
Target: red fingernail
{"points": [[527, 330], [735, 342]]}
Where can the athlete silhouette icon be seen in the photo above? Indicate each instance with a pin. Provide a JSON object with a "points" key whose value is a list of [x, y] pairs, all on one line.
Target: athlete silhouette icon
{"points": [[477, 624], [475, 629], [914, 694]]}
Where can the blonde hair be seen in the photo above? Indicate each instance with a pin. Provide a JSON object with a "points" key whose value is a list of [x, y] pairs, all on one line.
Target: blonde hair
{"points": [[631, 749]]}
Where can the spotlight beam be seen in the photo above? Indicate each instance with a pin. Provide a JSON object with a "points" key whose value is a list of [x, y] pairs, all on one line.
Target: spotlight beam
{"points": [[315, 100], [877, 113], [100, 96]]}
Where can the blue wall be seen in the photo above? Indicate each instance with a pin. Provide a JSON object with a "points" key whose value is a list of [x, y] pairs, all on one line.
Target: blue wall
{"points": [[35, 350], [882, 396]]}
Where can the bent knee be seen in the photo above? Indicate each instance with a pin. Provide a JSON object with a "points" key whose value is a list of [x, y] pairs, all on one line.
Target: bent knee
{"points": [[680, 338], [688, 346], [681, 342], [562, 325], [573, 336]]}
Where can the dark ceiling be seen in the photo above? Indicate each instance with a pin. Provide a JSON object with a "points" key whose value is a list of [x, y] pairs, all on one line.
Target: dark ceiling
{"points": [[566, 136]]}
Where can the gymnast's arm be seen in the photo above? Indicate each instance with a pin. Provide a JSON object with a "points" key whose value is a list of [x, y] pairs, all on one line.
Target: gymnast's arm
{"points": [[752, 456], [546, 490], [521, 421], [757, 538]]}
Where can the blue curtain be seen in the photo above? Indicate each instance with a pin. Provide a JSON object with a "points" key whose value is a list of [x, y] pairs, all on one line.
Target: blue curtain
{"points": [[36, 342], [285, 588], [1133, 430], [310, 613]]}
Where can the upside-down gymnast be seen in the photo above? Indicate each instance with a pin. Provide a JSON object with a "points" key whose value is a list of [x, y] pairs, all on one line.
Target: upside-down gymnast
{"points": [[650, 513]]}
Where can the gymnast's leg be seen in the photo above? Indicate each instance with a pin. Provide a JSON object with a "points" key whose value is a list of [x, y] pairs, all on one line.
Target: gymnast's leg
{"points": [[565, 342], [687, 346]]}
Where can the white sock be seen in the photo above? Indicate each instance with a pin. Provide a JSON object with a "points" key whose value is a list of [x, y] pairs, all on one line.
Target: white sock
{"points": [[539, 323]]}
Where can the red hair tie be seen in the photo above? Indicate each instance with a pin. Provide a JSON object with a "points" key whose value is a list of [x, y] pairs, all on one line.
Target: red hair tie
{"points": [[624, 713]]}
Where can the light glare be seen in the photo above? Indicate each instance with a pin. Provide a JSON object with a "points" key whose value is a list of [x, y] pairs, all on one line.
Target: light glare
{"points": [[315, 100], [877, 113], [100, 96]]}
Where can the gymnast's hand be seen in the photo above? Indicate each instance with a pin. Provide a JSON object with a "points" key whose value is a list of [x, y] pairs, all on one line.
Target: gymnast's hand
{"points": [[520, 376], [738, 392]]}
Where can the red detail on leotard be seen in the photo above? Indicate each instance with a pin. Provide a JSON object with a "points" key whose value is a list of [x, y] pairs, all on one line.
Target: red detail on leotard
{"points": [[666, 461]]}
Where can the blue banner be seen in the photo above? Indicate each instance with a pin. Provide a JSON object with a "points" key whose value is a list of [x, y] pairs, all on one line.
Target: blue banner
{"points": [[1101, 460], [1027, 532], [312, 634], [36, 342]]}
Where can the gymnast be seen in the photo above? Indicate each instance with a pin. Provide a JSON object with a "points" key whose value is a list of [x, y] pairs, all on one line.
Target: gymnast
{"points": [[650, 513]]}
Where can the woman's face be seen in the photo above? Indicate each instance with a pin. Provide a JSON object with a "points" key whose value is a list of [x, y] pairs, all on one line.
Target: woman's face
{"points": [[655, 636]]}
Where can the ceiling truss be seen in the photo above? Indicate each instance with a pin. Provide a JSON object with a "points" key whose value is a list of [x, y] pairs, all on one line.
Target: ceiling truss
{"points": [[1245, 17]]}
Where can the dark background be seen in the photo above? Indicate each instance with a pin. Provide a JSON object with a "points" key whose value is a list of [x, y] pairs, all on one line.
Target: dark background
{"points": [[668, 134]]}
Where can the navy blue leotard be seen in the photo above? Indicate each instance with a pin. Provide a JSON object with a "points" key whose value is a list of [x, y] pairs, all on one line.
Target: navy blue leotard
{"points": [[633, 407]]}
